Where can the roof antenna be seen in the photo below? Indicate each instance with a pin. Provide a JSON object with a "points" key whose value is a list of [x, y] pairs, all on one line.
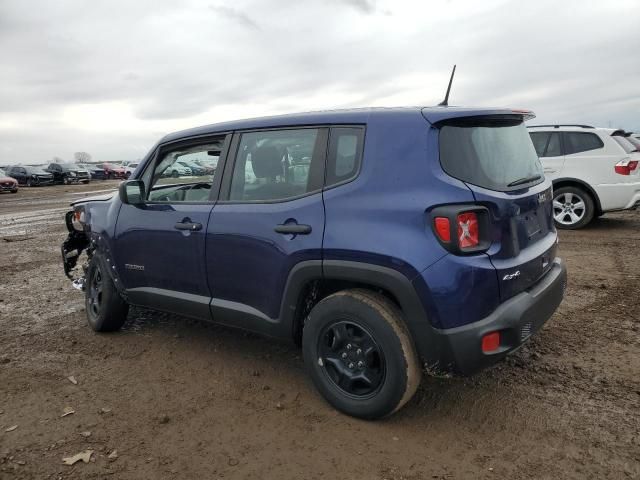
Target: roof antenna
{"points": [[445, 102]]}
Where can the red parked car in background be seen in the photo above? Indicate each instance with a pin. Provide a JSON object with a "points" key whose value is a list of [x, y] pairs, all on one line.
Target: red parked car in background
{"points": [[113, 171], [8, 184]]}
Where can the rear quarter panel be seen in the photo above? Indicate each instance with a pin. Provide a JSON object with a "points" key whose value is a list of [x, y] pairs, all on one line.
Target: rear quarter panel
{"points": [[383, 217]]}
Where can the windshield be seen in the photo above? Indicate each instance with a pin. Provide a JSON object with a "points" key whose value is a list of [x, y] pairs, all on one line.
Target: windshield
{"points": [[493, 153]]}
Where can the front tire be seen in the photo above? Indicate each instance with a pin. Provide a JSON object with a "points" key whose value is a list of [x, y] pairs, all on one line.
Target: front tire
{"points": [[573, 208], [106, 310], [360, 355]]}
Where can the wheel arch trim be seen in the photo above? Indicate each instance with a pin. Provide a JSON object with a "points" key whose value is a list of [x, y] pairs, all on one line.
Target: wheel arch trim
{"points": [[568, 181], [374, 276]]}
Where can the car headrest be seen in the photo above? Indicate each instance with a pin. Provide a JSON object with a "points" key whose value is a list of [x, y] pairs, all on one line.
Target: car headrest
{"points": [[266, 161]]}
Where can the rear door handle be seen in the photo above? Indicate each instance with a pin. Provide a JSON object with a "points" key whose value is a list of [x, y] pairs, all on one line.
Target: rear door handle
{"points": [[190, 226], [293, 229]]}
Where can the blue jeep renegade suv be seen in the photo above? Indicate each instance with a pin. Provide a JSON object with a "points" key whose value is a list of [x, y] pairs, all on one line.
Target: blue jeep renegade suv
{"points": [[384, 241]]}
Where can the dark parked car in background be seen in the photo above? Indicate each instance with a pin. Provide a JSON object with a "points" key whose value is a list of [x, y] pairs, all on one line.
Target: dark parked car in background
{"points": [[7, 184], [196, 169], [30, 176], [66, 173], [96, 172]]}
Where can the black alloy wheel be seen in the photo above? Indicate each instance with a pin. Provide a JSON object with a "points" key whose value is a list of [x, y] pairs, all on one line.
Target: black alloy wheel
{"points": [[106, 309], [95, 291], [351, 359]]}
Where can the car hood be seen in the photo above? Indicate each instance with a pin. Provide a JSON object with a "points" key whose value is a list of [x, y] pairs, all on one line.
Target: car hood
{"points": [[7, 179], [97, 198]]}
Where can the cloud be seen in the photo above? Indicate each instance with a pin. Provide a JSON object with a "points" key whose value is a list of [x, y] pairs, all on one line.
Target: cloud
{"points": [[235, 15], [112, 77], [365, 6]]}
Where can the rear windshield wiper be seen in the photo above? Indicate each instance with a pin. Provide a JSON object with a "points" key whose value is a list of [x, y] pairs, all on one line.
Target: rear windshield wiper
{"points": [[524, 180]]}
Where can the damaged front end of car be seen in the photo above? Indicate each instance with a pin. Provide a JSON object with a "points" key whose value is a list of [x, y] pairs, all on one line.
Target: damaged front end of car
{"points": [[76, 243]]}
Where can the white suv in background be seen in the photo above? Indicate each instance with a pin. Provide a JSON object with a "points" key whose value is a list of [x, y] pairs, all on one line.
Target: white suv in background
{"points": [[593, 170]]}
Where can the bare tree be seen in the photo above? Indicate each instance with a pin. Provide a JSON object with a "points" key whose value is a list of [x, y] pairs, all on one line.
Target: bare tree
{"points": [[82, 157], [57, 160]]}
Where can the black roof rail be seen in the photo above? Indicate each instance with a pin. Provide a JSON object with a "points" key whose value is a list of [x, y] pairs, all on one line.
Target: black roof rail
{"points": [[561, 125]]}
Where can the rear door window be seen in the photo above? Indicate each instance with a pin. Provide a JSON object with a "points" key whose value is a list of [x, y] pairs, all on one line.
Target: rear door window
{"points": [[491, 152], [578, 142], [276, 165]]}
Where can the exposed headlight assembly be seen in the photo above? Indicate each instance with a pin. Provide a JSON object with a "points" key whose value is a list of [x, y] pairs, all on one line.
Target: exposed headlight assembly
{"points": [[78, 220]]}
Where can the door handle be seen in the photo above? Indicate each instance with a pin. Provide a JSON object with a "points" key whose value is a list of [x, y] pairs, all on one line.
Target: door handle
{"points": [[293, 229], [190, 226]]}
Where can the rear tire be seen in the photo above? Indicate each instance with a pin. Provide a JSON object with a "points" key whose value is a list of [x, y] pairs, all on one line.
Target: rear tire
{"points": [[106, 310], [360, 355], [573, 208]]}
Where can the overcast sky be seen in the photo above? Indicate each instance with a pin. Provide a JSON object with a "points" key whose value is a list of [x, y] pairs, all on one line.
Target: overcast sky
{"points": [[111, 77]]}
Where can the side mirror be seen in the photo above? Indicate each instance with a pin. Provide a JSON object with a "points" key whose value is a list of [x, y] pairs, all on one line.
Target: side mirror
{"points": [[131, 192]]}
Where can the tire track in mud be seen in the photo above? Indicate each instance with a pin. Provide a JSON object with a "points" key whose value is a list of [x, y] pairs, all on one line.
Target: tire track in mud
{"points": [[29, 222]]}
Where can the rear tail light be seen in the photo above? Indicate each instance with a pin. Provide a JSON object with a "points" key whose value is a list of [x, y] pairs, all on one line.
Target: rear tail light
{"points": [[491, 342], [462, 229], [468, 235], [625, 167], [442, 227]]}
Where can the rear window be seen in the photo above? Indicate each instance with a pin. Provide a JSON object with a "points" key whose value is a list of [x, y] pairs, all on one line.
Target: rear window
{"points": [[633, 141], [496, 154], [624, 143]]}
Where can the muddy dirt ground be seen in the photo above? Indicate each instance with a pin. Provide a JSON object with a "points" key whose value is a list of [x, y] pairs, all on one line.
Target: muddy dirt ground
{"points": [[181, 399]]}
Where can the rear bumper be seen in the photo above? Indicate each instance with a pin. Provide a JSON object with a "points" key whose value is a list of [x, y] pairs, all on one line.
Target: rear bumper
{"points": [[517, 320], [619, 196]]}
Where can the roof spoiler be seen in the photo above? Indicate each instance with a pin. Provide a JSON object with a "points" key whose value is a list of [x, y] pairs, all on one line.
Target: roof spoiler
{"points": [[558, 125]]}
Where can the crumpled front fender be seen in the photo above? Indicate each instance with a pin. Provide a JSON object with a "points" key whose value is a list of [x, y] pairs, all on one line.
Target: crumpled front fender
{"points": [[73, 246]]}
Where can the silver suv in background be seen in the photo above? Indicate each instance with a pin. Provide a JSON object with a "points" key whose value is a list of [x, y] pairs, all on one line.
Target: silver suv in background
{"points": [[593, 170]]}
